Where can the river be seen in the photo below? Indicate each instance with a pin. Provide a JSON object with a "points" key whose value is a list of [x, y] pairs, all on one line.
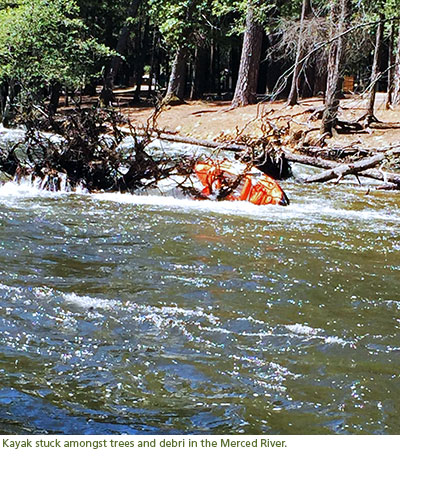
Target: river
{"points": [[125, 314]]}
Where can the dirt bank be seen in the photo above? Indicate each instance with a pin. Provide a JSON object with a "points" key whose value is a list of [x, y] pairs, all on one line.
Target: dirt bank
{"points": [[216, 121]]}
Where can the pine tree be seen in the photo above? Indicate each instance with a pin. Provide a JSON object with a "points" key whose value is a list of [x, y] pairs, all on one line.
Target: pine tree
{"points": [[246, 87]]}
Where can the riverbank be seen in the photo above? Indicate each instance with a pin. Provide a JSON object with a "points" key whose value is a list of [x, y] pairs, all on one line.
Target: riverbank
{"points": [[215, 121]]}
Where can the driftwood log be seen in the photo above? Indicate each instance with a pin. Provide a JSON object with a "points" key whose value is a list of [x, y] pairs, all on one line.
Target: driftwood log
{"points": [[381, 175], [388, 186], [225, 146], [342, 170], [367, 171], [339, 152]]}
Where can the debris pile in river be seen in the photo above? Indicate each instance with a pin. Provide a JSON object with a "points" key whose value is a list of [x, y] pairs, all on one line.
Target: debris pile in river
{"points": [[85, 151], [271, 153]]}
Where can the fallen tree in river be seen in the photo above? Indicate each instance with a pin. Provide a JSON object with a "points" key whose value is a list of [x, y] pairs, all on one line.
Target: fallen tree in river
{"points": [[339, 172], [363, 167]]}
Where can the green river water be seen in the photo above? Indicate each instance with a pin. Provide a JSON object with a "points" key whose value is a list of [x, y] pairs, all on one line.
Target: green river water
{"points": [[126, 314]]}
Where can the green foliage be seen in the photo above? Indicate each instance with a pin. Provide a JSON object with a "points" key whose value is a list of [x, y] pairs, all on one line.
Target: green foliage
{"points": [[237, 10], [44, 42], [104, 18], [181, 22]]}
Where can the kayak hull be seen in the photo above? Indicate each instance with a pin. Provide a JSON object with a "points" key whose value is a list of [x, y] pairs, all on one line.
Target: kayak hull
{"points": [[237, 182]]}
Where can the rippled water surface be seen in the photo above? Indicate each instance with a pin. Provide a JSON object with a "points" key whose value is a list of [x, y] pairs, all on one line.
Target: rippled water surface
{"points": [[126, 314]]}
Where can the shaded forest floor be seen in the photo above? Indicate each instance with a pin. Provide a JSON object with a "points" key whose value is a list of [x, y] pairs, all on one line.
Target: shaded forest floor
{"points": [[214, 120], [296, 129]]}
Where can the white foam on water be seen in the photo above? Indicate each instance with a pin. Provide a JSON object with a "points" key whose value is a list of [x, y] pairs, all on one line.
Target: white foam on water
{"points": [[316, 333], [298, 210], [22, 190], [8, 134], [333, 339], [302, 329], [87, 302], [8, 288], [322, 209], [18, 134], [10, 192], [261, 334], [278, 371], [220, 330], [168, 197], [273, 388], [158, 315]]}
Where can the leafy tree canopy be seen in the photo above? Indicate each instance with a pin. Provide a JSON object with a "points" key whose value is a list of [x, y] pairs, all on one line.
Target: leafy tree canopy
{"points": [[43, 42], [181, 22]]}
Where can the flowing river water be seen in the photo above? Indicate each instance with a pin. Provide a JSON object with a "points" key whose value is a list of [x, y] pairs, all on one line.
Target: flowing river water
{"points": [[124, 314]]}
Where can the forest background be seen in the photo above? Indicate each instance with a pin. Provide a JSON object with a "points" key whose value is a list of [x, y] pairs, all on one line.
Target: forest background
{"points": [[237, 52]]}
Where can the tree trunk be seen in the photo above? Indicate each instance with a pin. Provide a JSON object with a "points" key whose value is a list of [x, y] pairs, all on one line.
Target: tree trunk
{"points": [[6, 114], [264, 67], [177, 78], [91, 88], [390, 67], [218, 70], [200, 71], [212, 75], [344, 169], [336, 55], [396, 92], [54, 98], [154, 61], [275, 67], [4, 89], [141, 58], [294, 92], [235, 56], [375, 72], [246, 86], [116, 61]]}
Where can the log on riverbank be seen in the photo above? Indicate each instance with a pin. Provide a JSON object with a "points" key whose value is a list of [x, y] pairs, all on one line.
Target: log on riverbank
{"points": [[201, 142], [344, 152], [338, 172], [367, 172]]}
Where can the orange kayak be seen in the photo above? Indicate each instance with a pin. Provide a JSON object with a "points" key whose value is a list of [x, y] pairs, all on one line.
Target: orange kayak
{"points": [[249, 185]]}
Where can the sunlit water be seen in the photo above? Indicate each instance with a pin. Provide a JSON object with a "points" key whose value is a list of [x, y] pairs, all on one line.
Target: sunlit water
{"points": [[150, 314]]}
